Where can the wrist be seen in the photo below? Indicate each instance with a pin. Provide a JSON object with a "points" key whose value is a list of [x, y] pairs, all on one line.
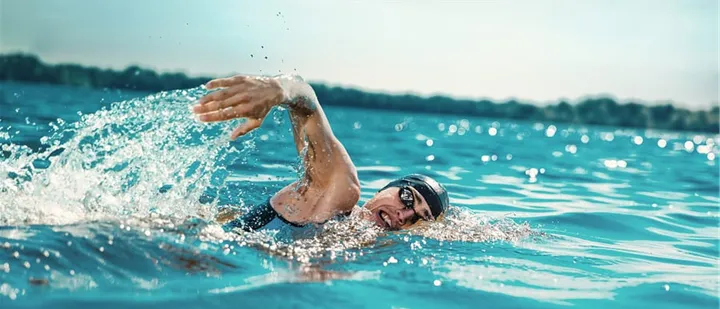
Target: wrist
{"points": [[296, 93]]}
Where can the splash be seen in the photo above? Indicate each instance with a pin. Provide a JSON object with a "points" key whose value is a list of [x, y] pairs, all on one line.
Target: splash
{"points": [[137, 157], [147, 163]]}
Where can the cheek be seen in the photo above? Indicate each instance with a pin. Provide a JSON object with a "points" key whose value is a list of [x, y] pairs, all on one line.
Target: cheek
{"points": [[371, 205]]}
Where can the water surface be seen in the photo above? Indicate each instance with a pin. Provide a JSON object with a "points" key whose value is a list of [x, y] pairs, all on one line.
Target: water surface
{"points": [[108, 200]]}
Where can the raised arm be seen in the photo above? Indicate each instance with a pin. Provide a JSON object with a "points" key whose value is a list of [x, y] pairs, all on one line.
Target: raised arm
{"points": [[329, 184]]}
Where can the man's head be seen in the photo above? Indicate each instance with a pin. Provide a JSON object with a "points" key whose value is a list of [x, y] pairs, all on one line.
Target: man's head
{"points": [[402, 202]]}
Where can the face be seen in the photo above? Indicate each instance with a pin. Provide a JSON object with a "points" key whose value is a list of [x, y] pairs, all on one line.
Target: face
{"points": [[398, 208]]}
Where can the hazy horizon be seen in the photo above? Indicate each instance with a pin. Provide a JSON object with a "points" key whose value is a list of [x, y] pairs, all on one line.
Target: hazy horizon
{"points": [[539, 52]]}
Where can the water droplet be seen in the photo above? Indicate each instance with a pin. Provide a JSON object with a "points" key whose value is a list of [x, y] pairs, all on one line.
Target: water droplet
{"points": [[689, 146], [26, 264], [703, 149], [102, 249], [72, 272], [661, 143], [16, 254], [437, 282], [392, 260], [492, 131], [430, 158], [621, 163], [452, 129], [485, 158], [357, 125], [585, 139], [429, 142], [711, 156], [607, 136], [550, 132], [46, 254], [667, 287], [638, 140], [531, 172], [508, 157], [571, 148]]}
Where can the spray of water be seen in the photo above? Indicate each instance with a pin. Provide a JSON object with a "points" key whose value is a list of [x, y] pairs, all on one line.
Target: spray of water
{"points": [[149, 164], [138, 157]]}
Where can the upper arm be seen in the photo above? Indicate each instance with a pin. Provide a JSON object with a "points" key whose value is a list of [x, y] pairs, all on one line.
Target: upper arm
{"points": [[329, 183]]}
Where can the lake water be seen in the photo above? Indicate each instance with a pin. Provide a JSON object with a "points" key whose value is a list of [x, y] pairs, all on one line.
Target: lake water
{"points": [[109, 201]]}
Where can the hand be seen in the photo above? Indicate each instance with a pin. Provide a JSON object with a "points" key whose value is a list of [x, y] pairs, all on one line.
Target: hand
{"points": [[243, 97]]}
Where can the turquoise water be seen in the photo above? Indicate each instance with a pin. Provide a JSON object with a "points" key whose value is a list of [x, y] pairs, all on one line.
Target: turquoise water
{"points": [[112, 205]]}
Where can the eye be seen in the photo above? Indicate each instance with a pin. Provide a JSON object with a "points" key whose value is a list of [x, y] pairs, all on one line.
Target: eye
{"points": [[406, 197]]}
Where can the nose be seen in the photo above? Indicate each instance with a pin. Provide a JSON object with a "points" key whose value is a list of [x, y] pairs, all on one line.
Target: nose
{"points": [[404, 215]]}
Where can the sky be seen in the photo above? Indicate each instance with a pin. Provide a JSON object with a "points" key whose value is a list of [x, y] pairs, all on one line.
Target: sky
{"points": [[536, 51]]}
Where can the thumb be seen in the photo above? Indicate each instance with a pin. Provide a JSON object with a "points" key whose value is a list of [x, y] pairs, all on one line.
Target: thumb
{"points": [[245, 128]]}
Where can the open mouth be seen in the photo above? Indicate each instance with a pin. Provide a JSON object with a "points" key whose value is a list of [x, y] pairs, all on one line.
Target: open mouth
{"points": [[384, 218]]}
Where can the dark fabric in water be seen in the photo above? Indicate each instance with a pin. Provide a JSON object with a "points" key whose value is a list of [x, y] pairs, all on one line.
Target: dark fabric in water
{"points": [[257, 218]]}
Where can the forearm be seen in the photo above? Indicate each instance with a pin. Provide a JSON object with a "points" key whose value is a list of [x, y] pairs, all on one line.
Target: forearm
{"points": [[323, 155], [308, 120]]}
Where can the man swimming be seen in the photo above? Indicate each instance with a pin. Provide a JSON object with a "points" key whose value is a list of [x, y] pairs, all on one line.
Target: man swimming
{"points": [[329, 187]]}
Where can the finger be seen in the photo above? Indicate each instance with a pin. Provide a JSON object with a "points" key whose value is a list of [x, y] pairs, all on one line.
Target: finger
{"points": [[245, 128], [219, 95], [226, 82], [213, 106], [225, 114]]}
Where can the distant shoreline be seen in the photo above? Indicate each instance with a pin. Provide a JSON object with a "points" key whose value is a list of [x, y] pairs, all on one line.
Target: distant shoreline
{"points": [[592, 111]]}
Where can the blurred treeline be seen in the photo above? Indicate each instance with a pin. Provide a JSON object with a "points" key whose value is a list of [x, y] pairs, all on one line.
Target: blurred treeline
{"points": [[597, 111]]}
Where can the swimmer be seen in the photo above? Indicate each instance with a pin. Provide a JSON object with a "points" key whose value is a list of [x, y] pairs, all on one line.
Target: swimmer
{"points": [[329, 187]]}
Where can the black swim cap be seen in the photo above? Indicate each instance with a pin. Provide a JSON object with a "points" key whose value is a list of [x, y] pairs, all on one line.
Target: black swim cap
{"points": [[434, 193]]}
